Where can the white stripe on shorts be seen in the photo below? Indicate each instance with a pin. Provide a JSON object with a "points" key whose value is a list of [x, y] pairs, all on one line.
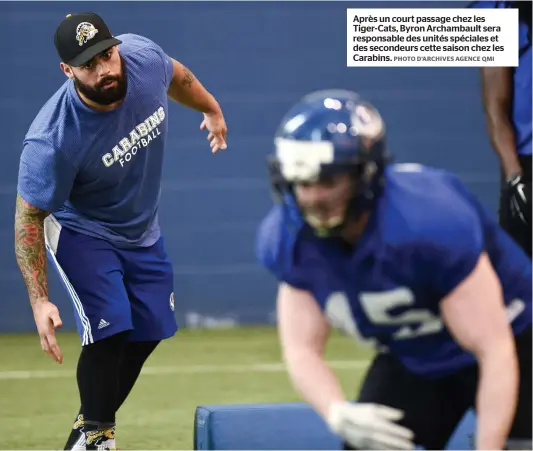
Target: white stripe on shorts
{"points": [[52, 230]]}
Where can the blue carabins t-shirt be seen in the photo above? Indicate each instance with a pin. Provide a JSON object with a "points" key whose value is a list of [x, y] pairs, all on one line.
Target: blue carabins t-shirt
{"points": [[522, 118], [99, 173], [423, 239]]}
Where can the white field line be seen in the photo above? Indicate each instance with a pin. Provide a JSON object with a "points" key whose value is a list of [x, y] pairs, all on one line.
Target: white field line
{"points": [[191, 369]]}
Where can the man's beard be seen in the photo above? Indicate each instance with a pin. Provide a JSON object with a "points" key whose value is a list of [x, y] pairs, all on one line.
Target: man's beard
{"points": [[105, 96]]}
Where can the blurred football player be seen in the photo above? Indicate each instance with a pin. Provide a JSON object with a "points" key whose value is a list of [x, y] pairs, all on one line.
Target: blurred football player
{"points": [[506, 95], [403, 257]]}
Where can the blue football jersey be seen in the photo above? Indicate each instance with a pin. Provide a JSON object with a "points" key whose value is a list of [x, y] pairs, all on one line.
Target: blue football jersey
{"points": [[99, 173], [423, 238]]}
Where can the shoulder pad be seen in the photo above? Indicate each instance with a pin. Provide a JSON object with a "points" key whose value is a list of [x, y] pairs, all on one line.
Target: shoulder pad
{"points": [[275, 242]]}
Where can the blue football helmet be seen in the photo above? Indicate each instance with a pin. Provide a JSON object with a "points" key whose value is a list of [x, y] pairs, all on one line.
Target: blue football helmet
{"points": [[326, 133]]}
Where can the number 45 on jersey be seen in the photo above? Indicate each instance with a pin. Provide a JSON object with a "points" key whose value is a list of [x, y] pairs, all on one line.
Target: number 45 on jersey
{"points": [[413, 323]]}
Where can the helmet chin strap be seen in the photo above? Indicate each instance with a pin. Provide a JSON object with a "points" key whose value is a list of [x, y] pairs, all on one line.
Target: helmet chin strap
{"points": [[339, 226], [325, 228]]}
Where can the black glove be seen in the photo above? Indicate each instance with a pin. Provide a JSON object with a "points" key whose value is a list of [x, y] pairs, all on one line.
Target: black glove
{"points": [[520, 199]]}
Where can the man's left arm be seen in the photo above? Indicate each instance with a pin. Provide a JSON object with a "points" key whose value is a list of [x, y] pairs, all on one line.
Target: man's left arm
{"points": [[457, 268], [475, 315], [187, 90]]}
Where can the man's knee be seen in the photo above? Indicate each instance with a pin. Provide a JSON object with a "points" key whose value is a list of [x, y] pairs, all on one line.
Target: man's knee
{"points": [[106, 349], [139, 351]]}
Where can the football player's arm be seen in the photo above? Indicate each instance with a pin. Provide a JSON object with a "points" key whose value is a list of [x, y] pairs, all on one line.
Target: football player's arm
{"points": [[30, 249], [476, 317], [44, 183], [303, 332], [30, 252], [186, 89], [497, 94]]}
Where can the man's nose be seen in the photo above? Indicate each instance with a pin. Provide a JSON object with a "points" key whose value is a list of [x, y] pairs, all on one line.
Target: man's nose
{"points": [[103, 69], [312, 193]]}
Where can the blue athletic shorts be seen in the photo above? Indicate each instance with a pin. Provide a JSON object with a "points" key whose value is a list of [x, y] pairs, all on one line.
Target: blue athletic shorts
{"points": [[112, 289]]}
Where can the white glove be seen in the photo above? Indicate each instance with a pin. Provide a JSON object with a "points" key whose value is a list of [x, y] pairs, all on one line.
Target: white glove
{"points": [[369, 426]]}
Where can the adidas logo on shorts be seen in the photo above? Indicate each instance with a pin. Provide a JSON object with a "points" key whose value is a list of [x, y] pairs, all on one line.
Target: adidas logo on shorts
{"points": [[103, 323]]}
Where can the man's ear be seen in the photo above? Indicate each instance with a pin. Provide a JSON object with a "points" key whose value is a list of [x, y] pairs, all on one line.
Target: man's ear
{"points": [[67, 70]]}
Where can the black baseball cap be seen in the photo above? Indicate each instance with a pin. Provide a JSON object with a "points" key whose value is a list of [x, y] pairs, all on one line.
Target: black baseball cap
{"points": [[80, 37]]}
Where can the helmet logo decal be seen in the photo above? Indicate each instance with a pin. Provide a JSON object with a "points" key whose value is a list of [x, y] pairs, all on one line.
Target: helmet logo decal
{"points": [[367, 122]]}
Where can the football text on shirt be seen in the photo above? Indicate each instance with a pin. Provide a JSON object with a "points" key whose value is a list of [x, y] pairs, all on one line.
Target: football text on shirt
{"points": [[138, 138]]}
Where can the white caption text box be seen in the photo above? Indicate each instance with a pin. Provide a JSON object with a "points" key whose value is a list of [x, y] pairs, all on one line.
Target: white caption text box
{"points": [[426, 37]]}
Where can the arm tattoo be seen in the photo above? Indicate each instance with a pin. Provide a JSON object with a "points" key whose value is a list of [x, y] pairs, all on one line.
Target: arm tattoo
{"points": [[188, 77], [30, 248]]}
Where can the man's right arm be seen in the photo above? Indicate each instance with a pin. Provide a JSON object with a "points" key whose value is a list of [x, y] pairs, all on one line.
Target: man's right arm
{"points": [[497, 93], [30, 249], [45, 181], [303, 332]]}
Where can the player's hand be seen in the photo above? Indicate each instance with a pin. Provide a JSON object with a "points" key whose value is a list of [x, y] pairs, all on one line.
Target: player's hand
{"points": [[370, 426], [47, 319], [520, 199], [216, 125]]}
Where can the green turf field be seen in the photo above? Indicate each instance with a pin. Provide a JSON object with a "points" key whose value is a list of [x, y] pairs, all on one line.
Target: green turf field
{"points": [[39, 397]]}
